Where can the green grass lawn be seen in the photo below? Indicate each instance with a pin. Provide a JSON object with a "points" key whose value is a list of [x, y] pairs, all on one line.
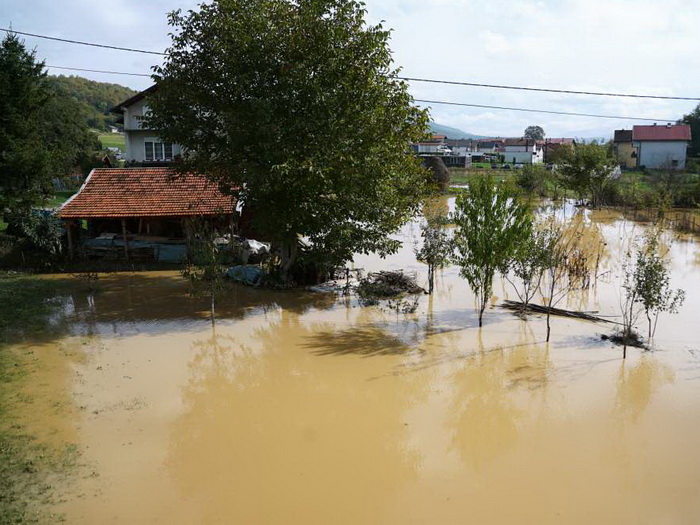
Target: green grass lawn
{"points": [[60, 197], [113, 140]]}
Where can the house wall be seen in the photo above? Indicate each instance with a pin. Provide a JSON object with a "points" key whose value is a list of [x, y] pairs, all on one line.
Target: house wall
{"points": [[135, 149], [133, 114], [661, 154], [517, 155], [624, 151], [136, 135]]}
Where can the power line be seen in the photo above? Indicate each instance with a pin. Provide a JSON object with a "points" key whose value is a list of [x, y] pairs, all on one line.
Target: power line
{"points": [[545, 111], [83, 43], [528, 110], [546, 90], [410, 79], [99, 71]]}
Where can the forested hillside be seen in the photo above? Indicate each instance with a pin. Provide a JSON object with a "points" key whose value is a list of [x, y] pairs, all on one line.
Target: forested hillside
{"points": [[95, 98]]}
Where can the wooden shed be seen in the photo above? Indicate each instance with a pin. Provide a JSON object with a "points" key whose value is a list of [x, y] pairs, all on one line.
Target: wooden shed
{"points": [[142, 213]]}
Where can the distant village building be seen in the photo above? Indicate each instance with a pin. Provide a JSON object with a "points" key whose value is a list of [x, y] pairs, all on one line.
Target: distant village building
{"points": [[624, 150], [661, 146], [435, 145], [523, 151]]}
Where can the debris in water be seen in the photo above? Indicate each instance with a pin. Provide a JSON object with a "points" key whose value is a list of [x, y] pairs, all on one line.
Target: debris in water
{"points": [[539, 309]]}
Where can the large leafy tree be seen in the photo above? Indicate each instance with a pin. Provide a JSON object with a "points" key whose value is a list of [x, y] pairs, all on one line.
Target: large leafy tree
{"points": [[42, 136], [693, 120], [534, 132], [492, 224], [296, 106], [586, 169]]}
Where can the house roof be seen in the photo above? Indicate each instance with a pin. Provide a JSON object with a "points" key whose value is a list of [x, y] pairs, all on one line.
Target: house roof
{"points": [[556, 141], [520, 142], [679, 132], [458, 142], [623, 135], [145, 192], [133, 100]]}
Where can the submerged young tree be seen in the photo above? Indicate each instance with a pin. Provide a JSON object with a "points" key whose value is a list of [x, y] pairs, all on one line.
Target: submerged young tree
{"points": [[528, 265], [491, 224], [295, 108], [571, 254], [652, 283], [206, 268], [437, 245]]}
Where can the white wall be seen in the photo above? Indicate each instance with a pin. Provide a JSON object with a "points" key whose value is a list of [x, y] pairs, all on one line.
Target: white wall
{"points": [[524, 157], [135, 149], [661, 154]]}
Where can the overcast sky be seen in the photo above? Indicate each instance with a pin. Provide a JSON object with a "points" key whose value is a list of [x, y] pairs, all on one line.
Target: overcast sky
{"points": [[629, 46]]}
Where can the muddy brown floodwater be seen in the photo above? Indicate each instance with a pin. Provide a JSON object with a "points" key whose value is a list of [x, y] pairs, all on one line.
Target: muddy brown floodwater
{"points": [[306, 408]]}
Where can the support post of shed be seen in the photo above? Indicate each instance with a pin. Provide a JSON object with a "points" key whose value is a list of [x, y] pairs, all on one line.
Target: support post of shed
{"points": [[69, 232], [126, 241]]}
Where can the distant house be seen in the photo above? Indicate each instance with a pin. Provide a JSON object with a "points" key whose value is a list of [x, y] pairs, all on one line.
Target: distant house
{"points": [[436, 145], [522, 151], [142, 212], [143, 146], [624, 149], [460, 147], [661, 146], [489, 146]]}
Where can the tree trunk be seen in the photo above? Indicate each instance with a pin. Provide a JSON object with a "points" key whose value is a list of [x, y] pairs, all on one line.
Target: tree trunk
{"points": [[213, 316], [481, 310], [551, 299], [289, 255], [431, 278], [649, 320]]}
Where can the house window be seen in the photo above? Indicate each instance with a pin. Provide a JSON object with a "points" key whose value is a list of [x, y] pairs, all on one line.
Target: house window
{"points": [[158, 151]]}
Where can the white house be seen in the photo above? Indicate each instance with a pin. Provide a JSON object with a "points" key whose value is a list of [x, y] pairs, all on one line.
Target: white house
{"points": [[143, 145], [661, 146], [436, 145], [523, 151]]}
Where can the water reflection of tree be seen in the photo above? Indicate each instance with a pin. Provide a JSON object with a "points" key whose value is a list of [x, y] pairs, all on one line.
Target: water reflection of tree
{"points": [[494, 392], [272, 422], [638, 384]]}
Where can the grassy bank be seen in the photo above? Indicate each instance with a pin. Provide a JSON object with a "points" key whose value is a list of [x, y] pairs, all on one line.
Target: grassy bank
{"points": [[27, 465], [112, 140]]}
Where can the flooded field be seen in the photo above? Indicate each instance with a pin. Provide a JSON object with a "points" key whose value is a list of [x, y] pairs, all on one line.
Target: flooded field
{"points": [[305, 408]]}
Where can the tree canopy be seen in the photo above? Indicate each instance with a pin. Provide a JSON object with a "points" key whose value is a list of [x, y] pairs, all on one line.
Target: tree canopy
{"points": [[693, 120], [295, 108], [491, 225], [534, 132], [42, 136], [94, 99], [586, 169]]}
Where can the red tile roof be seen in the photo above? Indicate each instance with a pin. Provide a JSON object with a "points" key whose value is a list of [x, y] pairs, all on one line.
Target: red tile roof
{"points": [[145, 192], [678, 132]]}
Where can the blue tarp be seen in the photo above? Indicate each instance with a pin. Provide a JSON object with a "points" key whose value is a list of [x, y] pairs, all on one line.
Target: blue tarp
{"points": [[245, 274]]}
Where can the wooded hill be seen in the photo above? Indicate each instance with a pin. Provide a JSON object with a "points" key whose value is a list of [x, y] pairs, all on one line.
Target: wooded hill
{"points": [[95, 98]]}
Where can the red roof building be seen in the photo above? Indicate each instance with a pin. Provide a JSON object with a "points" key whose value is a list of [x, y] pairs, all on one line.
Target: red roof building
{"points": [[143, 213], [678, 132], [145, 192], [661, 147]]}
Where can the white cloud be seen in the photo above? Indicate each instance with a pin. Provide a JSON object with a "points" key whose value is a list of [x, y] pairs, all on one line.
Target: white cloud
{"points": [[638, 46]]}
